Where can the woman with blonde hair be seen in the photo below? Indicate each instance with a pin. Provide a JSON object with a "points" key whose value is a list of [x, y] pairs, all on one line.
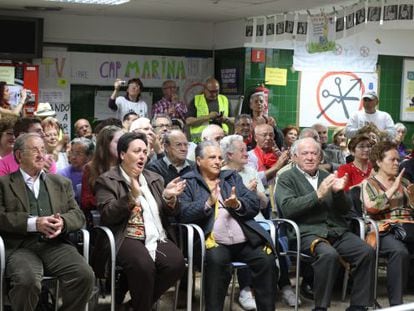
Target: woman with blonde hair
{"points": [[340, 142], [55, 141]]}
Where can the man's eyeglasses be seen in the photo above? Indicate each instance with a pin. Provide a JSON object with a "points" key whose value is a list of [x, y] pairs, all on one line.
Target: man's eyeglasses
{"points": [[364, 147], [271, 135], [35, 150], [180, 145], [213, 91], [163, 125]]}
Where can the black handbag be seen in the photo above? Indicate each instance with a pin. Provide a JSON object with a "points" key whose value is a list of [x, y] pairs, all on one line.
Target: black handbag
{"points": [[403, 231]]}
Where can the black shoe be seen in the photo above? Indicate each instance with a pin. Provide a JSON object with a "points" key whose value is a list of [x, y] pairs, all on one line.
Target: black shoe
{"points": [[356, 308], [306, 290], [121, 287], [319, 309]]}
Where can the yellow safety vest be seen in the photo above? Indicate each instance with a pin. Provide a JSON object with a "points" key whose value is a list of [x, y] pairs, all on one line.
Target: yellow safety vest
{"points": [[202, 110]]}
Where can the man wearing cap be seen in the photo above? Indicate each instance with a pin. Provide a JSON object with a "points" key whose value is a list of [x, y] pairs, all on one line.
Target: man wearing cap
{"points": [[44, 110], [381, 119], [208, 108]]}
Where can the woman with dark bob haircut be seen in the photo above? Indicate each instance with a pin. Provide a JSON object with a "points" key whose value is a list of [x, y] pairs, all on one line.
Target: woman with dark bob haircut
{"points": [[135, 205], [131, 101], [389, 198], [360, 168], [290, 134]]}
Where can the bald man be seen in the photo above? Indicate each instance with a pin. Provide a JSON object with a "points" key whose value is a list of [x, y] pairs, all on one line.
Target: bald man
{"points": [[208, 108], [266, 158]]}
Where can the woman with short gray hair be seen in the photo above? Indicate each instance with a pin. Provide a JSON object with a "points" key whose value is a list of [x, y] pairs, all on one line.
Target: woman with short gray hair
{"points": [[235, 157], [400, 132]]}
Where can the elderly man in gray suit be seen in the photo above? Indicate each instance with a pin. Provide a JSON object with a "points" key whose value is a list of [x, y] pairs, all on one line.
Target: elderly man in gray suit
{"points": [[36, 212]]}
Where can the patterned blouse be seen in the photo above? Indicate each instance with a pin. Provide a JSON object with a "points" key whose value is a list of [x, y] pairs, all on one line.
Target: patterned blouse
{"points": [[395, 208]]}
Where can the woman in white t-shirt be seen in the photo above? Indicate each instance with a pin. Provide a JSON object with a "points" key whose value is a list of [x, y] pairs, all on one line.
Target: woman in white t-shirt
{"points": [[131, 101]]}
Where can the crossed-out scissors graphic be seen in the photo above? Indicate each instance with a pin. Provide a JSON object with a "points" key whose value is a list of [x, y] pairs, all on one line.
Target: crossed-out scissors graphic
{"points": [[340, 98]]}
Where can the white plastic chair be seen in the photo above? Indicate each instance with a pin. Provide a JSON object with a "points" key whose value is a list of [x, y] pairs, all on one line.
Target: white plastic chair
{"points": [[85, 251]]}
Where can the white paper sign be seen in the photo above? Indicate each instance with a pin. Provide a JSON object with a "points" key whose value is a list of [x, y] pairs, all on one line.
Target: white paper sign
{"points": [[332, 97]]}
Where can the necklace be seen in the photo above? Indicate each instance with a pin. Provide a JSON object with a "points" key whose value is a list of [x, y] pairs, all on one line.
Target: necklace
{"points": [[363, 172]]}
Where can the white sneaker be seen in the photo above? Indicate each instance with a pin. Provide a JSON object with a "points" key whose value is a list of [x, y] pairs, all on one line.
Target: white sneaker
{"points": [[289, 297], [246, 300]]}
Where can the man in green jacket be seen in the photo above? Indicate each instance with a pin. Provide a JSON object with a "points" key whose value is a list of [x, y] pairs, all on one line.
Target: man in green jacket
{"points": [[37, 210], [315, 200]]}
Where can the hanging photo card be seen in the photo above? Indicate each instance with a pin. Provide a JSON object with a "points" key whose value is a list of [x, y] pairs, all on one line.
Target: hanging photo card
{"points": [[350, 20], [249, 30], [280, 27], [289, 25], [260, 26], [374, 11], [339, 24], [360, 17], [405, 12], [270, 29], [302, 27], [390, 14]]}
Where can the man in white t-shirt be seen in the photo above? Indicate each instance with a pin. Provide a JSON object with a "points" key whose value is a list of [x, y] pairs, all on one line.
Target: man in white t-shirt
{"points": [[131, 102], [381, 119]]}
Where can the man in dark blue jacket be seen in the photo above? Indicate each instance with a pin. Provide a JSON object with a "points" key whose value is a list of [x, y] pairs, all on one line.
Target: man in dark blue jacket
{"points": [[219, 202]]}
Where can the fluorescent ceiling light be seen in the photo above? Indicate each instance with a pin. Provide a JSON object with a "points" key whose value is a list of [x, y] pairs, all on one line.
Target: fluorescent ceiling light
{"points": [[99, 2]]}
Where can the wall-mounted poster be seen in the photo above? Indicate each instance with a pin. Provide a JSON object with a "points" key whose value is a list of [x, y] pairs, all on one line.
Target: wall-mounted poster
{"points": [[332, 97], [407, 91]]}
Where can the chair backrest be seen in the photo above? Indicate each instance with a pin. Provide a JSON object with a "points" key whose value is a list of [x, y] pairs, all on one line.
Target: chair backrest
{"points": [[355, 195]]}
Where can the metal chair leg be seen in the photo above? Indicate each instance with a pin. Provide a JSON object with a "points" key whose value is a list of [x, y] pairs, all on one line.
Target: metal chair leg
{"points": [[233, 285]]}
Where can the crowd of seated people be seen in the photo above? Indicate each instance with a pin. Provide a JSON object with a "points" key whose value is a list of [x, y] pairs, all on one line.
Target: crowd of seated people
{"points": [[137, 174]]}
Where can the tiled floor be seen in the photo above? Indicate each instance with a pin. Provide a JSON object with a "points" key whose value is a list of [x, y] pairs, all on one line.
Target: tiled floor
{"points": [[166, 302]]}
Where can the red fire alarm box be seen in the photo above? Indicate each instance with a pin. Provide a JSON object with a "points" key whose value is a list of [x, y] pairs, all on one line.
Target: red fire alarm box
{"points": [[258, 55]]}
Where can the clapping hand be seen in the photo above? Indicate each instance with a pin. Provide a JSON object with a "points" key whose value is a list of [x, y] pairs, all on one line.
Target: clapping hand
{"points": [[252, 185], [174, 188], [339, 183], [332, 182], [48, 162], [232, 201], [215, 192]]}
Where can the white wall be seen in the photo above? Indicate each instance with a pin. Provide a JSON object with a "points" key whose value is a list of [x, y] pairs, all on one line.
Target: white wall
{"points": [[61, 28]]}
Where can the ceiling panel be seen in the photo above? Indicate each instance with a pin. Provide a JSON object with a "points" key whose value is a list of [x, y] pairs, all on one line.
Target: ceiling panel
{"points": [[191, 10]]}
